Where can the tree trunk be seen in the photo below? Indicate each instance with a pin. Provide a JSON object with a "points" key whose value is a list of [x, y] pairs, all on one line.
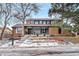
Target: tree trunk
{"points": [[62, 26], [12, 42], [76, 33], [23, 29], [3, 31], [62, 17]]}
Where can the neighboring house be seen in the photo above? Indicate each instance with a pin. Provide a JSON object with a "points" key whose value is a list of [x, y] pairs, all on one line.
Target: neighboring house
{"points": [[39, 26], [17, 30], [7, 32]]}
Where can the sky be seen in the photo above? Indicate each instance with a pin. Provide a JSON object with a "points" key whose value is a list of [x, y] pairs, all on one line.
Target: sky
{"points": [[43, 13]]}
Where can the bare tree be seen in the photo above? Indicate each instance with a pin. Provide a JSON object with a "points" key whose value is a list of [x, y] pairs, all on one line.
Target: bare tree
{"points": [[6, 14], [24, 10]]}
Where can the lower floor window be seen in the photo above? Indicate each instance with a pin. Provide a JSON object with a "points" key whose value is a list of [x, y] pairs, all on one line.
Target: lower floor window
{"points": [[38, 30], [19, 30]]}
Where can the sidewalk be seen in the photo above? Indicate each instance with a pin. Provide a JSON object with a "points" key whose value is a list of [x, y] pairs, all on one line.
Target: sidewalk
{"points": [[38, 51]]}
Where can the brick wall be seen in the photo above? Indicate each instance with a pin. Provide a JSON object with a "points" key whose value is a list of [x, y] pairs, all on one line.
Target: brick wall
{"points": [[53, 30], [13, 31], [15, 35]]}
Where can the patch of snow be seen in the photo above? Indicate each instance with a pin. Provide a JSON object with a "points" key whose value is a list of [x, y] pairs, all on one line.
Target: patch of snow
{"points": [[27, 41], [40, 44], [7, 44], [71, 43]]}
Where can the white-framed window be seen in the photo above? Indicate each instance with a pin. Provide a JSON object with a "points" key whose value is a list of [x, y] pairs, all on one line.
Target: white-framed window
{"points": [[44, 22], [40, 22], [36, 22], [18, 30], [48, 22]]}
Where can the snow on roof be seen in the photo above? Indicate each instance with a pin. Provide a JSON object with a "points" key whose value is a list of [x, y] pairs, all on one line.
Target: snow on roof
{"points": [[17, 25]]}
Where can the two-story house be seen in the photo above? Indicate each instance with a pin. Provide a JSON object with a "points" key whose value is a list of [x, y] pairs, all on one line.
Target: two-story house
{"points": [[39, 26]]}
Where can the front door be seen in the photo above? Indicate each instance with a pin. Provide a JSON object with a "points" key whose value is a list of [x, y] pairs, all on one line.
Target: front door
{"points": [[59, 30], [30, 31]]}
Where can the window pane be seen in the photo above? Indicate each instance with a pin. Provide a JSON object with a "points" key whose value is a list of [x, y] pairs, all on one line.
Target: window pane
{"points": [[18, 30], [36, 22], [44, 22], [40, 22], [48, 22]]}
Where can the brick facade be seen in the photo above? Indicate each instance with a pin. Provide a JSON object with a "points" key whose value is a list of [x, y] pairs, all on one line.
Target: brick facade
{"points": [[13, 31], [47, 23], [53, 30]]}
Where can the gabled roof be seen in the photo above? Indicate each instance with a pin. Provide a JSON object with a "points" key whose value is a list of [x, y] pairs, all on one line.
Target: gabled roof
{"points": [[17, 26]]}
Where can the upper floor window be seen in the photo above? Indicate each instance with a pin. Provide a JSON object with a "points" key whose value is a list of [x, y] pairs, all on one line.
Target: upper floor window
{"points": [[40, 22], [36, 22], [48, 22], [32, 22], [44, 22]]}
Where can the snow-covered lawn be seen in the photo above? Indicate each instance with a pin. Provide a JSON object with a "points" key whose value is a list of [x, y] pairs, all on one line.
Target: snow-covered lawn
{"points": [[36, 43], [7, 44], [39, 44]]}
